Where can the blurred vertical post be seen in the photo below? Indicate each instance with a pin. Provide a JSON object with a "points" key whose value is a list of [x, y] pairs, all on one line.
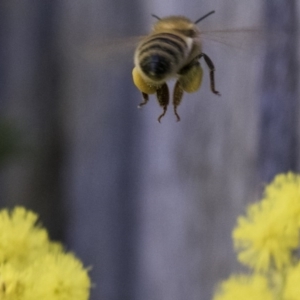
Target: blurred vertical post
{"points": [[279, 144], [101, 131], [29, 80]]}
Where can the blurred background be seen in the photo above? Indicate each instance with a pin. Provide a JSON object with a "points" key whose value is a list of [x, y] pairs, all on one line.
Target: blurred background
{"points": [[149, 206]]}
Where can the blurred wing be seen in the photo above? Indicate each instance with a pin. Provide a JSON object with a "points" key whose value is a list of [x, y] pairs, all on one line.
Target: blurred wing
{"points": [[110, 50], [244, 39], [116, 50]]}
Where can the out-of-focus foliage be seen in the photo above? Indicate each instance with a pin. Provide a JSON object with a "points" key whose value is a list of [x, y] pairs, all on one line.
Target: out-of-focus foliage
{"points": [[10, 141]]}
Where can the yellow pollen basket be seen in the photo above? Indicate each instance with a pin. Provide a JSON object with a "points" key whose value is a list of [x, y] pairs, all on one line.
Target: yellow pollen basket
{"points": [[141, 84], [191, 81]]}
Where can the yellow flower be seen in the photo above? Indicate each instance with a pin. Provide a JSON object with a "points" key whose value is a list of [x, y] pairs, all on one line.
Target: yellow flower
{"points": [[284, 195], [13, 283], [59, 276], [292, 287], [242, 287], [32, 267], [55, 276], [268, 234], [263, 241], [21, 240]]}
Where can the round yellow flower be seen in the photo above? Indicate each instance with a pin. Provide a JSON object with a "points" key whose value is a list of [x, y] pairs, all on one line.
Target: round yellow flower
{"points": [[59, 276], [32, 267], [269, 232], [284, 195], [21, 239], [292, 287], [13, 283], [242, 287]]}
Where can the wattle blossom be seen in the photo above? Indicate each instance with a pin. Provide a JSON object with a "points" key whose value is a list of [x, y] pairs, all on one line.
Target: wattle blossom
{"points": [[242, 287], [34, 268], [266, 239], [268, 234]]}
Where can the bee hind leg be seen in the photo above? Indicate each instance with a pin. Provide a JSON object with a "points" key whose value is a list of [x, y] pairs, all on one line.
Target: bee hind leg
{"points": [[177, 97], [162, 94], [190, 79]]}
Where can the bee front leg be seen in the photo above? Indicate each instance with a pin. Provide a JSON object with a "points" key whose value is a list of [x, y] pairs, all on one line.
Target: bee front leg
{"points": [[143, 86], [145, 98], [211, 67], [177, 97], [162, 94]]}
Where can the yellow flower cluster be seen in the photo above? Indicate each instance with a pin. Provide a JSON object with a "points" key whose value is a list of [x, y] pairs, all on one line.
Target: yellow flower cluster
{"points": [[267, 240], [268, 234], [244, 287], [34, 268]]}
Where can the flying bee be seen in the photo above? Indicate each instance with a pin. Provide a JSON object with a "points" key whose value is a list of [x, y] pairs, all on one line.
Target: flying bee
{"points": [[172, 50]]}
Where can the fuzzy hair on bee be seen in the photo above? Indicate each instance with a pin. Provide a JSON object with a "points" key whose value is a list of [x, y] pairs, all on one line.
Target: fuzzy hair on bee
{"points": [[172, 50]]}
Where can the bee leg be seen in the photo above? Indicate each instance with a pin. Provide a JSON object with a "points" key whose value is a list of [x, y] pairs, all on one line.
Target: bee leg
{"points": [[211, 67], [177, 97], [146, 98], [162, 95]]}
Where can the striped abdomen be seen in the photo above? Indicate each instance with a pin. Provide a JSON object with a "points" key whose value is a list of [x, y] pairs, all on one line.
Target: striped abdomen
{"points": [[161, 55]]}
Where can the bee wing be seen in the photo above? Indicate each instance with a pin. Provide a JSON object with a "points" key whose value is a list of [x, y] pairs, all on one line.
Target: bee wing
{"points": [[117, 49], [111, 49], [243, 39]]}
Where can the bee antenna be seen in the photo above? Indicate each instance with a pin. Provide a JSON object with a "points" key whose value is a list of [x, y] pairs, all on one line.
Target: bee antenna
{"points": [[205, 16], [155, 16]]}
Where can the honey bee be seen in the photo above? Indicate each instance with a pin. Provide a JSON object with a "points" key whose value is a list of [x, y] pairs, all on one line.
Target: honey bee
{"points": [[172, 50]]}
